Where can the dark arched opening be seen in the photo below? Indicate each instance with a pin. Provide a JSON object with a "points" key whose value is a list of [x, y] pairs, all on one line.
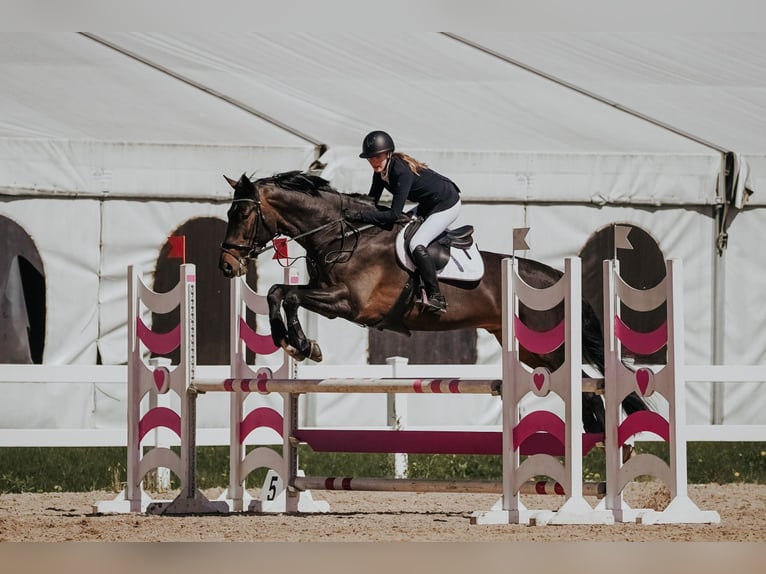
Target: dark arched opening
{"points": [[641, 267], [202, 237], [22, 297]]}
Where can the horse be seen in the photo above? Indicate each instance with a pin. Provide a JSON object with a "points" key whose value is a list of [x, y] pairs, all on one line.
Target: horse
{"points": [[354, 274]]}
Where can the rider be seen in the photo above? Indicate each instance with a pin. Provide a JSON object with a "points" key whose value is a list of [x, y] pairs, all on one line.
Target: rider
{"points": [[406, 179]]}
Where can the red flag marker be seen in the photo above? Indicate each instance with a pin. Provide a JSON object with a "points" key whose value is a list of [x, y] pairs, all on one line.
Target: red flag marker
{"points": [[177, 247], [280, 248]]}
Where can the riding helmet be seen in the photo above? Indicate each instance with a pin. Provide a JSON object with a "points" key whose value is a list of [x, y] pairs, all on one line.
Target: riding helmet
{"points": [[376, 142]]}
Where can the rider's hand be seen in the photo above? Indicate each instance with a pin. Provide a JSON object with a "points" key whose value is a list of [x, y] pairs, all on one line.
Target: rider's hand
{"points": [[353, 215]]}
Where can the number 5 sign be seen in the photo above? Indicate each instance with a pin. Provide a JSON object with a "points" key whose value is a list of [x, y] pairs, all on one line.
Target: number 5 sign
{"points": [[273, 497]]}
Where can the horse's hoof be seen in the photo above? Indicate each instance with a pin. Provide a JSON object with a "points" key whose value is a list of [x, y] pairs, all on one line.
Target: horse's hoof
{"points": [[628, 452], [316, 352], [293, 352]]}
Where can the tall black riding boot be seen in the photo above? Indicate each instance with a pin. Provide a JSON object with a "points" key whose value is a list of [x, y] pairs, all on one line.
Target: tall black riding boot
{"points": [[434, 299]]}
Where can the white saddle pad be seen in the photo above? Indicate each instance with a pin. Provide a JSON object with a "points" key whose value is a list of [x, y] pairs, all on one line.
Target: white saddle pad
{"points": [[463, 265]]}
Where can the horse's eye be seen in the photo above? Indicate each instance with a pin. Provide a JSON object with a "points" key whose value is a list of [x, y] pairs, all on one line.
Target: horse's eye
{"points": [[239, 212]]}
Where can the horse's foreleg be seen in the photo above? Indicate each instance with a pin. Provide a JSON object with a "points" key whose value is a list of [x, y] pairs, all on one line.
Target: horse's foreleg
{"points": [[274, 298], [330, 302], [296, 337], [291, 337]]}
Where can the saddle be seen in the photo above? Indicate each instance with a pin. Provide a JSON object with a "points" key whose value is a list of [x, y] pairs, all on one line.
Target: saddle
{"points": [[462, 264], [439, 249]]}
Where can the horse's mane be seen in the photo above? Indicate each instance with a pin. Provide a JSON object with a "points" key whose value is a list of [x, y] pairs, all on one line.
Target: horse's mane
{"points": [[301, 181], [309, 184]]}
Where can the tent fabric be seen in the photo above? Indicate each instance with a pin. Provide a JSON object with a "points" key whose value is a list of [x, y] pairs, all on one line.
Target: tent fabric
{"points": [[110, 141]]}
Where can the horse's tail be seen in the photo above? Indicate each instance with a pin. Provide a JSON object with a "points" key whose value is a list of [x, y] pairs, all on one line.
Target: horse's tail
{"points": [[594, 415], [592, 338]]}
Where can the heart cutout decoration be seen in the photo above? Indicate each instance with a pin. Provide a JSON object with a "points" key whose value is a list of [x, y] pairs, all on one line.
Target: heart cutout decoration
{"points": [[643, 376], [539, 380], [161, 379]]}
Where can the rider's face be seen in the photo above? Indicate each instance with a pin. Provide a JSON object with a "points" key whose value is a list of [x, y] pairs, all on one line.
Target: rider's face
{"points": [[378, 162]]}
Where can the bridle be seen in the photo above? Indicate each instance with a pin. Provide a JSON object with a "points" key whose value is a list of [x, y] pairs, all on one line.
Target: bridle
{"points": [[252, 250], [246, 252]]}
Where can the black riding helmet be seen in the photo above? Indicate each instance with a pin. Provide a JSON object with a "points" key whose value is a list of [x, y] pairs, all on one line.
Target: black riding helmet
{"points": [[376, 142]]}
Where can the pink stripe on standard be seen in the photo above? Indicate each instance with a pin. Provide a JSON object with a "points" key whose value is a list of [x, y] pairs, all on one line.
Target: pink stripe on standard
{"points": [[539, 421], [643, 421], [260, 417], [641, 343], [159, 417], [540, 342], [159, 343], [409, 441], [257, 343]]}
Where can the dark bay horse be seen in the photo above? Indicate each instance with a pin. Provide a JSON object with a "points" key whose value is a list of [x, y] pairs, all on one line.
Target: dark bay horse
{"points": [[354, 274]]}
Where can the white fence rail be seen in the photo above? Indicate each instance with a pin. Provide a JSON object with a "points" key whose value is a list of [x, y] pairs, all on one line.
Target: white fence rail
{"points": [[20, 381]]}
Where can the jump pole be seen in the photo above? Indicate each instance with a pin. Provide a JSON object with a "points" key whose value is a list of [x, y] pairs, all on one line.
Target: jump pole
{"points": [[596, 489], [351, 385]]}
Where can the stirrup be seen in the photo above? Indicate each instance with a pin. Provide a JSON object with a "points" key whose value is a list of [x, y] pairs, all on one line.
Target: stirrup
{"points": [[435, 304]]}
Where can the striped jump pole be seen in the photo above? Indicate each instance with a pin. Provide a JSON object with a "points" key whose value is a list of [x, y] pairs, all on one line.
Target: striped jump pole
{"points": [[265, 384], [595, 489], [350, 385]]}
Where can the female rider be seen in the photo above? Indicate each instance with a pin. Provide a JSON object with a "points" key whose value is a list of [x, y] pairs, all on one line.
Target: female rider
{"points": [[407, 179]]}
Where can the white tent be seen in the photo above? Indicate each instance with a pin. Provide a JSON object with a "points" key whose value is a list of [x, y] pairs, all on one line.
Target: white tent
{"points": [[110, 141]]}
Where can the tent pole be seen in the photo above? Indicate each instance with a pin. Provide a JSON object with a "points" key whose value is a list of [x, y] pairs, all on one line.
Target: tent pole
{"points": [[718, 318]]}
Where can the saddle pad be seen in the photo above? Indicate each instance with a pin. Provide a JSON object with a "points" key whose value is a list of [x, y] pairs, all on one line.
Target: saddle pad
{"points": [[463, 265]]}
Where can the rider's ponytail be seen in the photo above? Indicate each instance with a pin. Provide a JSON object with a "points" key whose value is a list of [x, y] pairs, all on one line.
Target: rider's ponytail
{"points": [[415, 166]]}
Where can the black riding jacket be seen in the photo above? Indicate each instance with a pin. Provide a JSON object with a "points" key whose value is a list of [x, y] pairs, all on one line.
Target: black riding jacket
{"points": [[432, 192]]}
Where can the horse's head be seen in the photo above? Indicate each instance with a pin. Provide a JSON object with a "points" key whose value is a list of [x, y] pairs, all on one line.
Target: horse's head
{"points": [[293, 203], [247, 232]]}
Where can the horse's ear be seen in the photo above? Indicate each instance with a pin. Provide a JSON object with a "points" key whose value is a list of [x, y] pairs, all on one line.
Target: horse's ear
{"points": [[232, 183]]}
